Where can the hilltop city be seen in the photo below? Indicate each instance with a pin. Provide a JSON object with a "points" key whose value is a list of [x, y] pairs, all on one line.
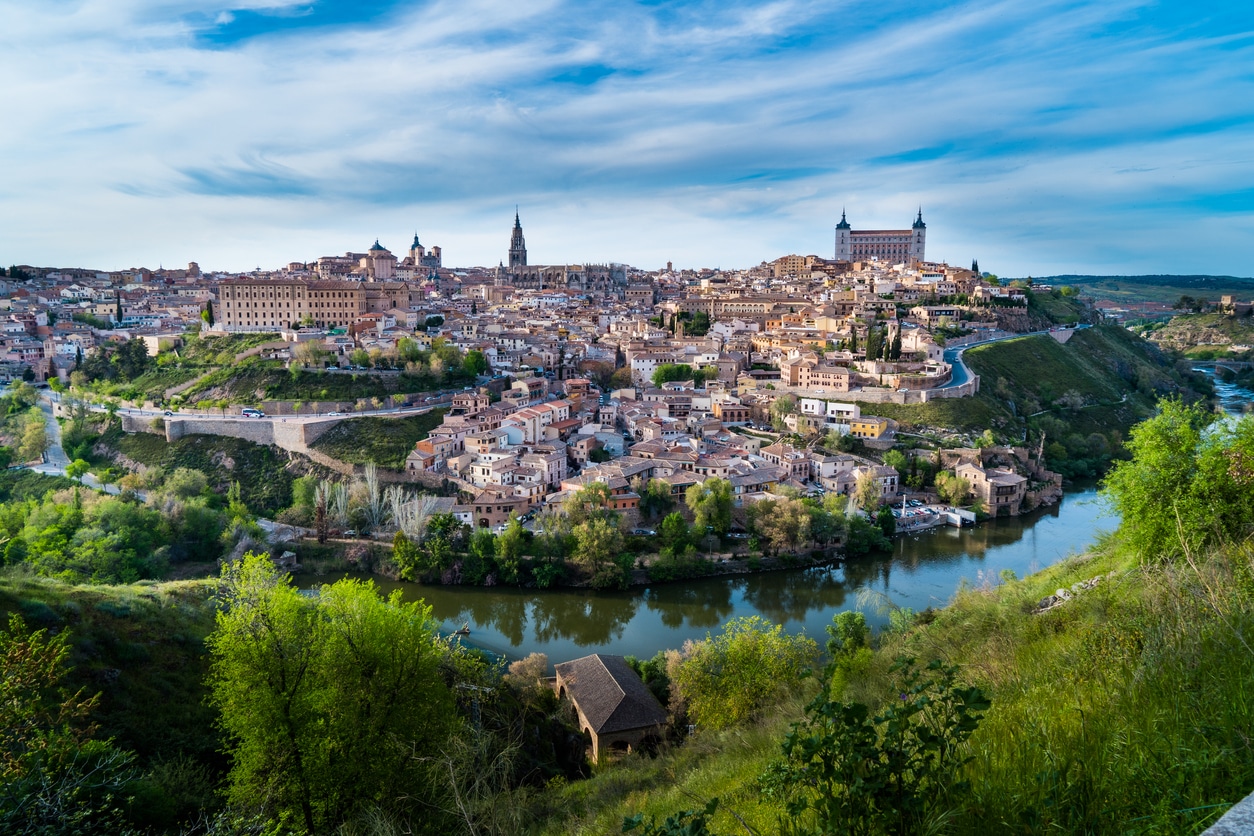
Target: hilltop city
{"points": [[590, 372]]}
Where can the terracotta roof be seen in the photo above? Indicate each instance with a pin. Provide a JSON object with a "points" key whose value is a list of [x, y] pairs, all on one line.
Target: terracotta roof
{"points": [[610, 694]]}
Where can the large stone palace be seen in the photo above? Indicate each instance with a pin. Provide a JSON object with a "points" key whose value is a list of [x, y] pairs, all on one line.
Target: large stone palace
{"points": [[898, 246]]}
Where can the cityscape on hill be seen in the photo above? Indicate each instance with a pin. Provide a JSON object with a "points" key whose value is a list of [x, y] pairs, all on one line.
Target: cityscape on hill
{"points": [[665, 418]]}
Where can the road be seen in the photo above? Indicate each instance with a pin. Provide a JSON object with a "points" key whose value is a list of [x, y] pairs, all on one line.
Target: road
{"points": [[318, 416], [55, 460]]}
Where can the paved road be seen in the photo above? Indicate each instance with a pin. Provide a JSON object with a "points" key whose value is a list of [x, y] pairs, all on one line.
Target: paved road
{"points": [[320, 416]]}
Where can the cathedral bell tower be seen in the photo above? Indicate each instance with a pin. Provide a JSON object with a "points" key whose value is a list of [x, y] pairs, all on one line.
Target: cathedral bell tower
{"points": [[517, 246]]}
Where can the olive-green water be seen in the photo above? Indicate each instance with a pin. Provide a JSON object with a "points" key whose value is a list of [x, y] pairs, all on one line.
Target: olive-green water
{"points": [[922, 571]]}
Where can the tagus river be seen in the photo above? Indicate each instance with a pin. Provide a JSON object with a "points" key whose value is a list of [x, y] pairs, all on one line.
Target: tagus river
{"points": [[923, 571]]}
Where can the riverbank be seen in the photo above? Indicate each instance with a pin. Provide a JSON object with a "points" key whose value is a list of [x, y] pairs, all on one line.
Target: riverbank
{"points": [[1121, 706], [922, 571]]}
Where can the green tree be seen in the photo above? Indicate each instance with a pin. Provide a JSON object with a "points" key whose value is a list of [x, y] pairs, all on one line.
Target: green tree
{"points": [[780, 407], [77, 469], [674, 532], [655, 497], [359, 357], [331, 705], [475, 363], [711, 505], [480, 557], [848, 771], [731, 678], [34, 435], [783, 525], [952, 488], [598, 549], [1189, 482], [55, 777], [509, 549]]}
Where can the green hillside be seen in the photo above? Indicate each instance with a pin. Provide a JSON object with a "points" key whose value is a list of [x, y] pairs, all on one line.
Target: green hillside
{"points": [[384, 441], [1103, 379]]}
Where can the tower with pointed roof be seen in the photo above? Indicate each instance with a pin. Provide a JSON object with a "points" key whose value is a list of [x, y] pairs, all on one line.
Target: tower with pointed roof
{"points": [[918, 237], [844, 248], [517, 245]]}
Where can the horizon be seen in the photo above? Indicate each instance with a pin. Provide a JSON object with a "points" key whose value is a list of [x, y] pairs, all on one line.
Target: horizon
{"points": [[1062, 138]]}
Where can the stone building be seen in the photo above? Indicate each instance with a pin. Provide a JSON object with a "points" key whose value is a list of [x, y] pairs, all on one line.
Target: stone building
{"points": [[612, 704], [898, 246]]}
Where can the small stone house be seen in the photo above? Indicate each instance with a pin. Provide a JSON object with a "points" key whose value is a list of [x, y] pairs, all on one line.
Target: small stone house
{"points": [[612, 704]]}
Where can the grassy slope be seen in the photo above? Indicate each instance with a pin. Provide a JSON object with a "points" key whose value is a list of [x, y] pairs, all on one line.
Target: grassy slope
{"points": [[142, 648], [1127, 709], [384, 441], [265, 484], [1102, 364]]}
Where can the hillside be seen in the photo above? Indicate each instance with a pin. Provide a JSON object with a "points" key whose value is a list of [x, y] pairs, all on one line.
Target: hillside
{"points": [[1202, 336], [1149, 288], [384, 441], [1103, 379]]}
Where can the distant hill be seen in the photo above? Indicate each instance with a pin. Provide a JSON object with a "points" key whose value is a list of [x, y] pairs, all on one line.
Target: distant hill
{"points": [[1158, 288]]}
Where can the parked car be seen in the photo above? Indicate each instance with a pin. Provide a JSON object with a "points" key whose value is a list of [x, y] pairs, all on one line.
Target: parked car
{"points": [[249, 412], [168, 412], [643, 532], [335, 414]]}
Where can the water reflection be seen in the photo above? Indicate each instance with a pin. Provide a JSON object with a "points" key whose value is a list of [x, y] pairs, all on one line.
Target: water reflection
{"points": [[922, 571]]}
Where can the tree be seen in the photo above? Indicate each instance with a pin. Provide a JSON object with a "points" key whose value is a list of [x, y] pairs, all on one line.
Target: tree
{"points": [[780, 407], [848, 771], [55, 777], [730, 679], [34, 435], [655, 498], [77, 469], [874, 343], [475, 363], [783, 524], [896, 460], [674, 533], [359, 357], [328, 705], [711, 505], [867, 494], [895, 351], [951, 488], [1187, 484], [598, 548], [207, 313], [509, 548]]}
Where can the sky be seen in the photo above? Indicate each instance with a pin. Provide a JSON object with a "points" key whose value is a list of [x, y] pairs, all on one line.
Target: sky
{"points": [[1038, 136]]}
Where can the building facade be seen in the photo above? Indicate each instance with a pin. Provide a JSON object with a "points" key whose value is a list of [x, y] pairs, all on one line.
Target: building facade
{"points": [[906, 246]]}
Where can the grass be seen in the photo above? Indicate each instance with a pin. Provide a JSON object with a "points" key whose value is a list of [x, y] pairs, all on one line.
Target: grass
{"points": [[142, 648], [21, 485], [1126, 709], [1155, 288], [384, 441], [265, 484]]}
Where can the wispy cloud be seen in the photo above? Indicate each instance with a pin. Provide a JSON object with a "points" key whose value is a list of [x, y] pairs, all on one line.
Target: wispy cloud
{"points": [[1039, 135]]}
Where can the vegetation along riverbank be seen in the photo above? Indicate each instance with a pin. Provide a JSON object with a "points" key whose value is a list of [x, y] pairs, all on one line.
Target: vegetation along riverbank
{"points": [[1108, 689]]}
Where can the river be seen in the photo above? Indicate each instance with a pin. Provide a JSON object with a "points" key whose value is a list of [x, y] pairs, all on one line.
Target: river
{"points": [[923, 571]]}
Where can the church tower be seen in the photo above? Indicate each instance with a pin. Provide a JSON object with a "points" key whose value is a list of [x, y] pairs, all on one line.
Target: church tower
{"points": [[517, 246], [844, 243], [918, 238]]}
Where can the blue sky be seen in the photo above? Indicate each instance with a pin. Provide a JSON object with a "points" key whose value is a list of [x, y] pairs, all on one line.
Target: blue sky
{"points": [[1039, 136]]}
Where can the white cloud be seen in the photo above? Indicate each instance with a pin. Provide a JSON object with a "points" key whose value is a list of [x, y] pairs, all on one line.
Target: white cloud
{"points": [[1034, 134]]}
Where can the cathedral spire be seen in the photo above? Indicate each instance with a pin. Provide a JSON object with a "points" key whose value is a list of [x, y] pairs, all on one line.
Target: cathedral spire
{"points": [[517, 244]]}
